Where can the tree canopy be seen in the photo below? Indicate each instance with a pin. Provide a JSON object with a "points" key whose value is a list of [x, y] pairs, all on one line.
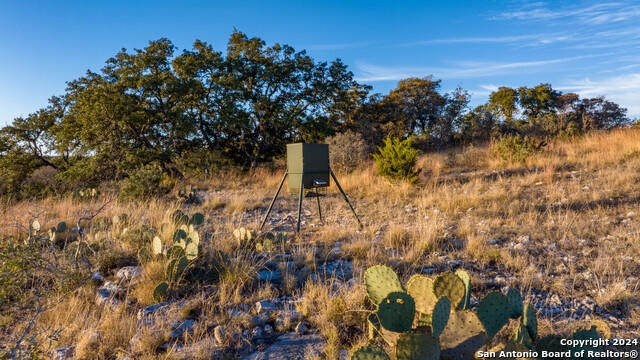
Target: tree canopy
{"points": [[157, 107]]}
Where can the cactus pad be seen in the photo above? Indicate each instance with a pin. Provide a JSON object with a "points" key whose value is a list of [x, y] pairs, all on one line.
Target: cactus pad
{"points": [[62, 226], [191, 251], [493, 311], [396, 312], [175, 252], [515, 300], [417, 346], [370, 352], [440, 316], [421, 289], [196, 219], [35, 225], [160, 292], [466, 280], [522, 337], [380, 281], [529, 320], [195, 237], [179, 235], [451, 286], [463, 336], [144, 255], [157, 245]]}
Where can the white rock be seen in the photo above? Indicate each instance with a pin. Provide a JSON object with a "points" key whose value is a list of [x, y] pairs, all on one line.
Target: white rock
{"points": [[265, 305], [128, 273]]}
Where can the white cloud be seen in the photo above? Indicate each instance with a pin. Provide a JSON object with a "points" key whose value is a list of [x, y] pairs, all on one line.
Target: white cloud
{"points": [[372, 73], [598, 14], [622, 89]]}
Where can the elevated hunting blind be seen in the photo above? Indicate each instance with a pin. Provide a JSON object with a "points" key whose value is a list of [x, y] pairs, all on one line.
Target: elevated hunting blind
{"points": [[308, 168]]}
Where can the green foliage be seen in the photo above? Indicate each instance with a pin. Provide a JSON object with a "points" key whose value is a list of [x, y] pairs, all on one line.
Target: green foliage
{"points": [[514, 149], [144, 183], [397, 160]]}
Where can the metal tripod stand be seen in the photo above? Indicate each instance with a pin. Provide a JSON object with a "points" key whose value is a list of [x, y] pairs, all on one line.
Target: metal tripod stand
{"points": [[301, 195]]}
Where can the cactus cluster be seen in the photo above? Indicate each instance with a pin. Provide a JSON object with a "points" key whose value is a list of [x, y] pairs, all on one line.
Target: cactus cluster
{"points": [[431, 319], [188, 194], [61, 228], [89, 193], [185, 248], [265, 242]]}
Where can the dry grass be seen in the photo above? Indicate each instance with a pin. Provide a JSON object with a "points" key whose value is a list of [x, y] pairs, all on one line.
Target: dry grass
{"points": [[575, 201]]}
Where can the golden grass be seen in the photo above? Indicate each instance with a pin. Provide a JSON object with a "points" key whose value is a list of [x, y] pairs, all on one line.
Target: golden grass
{"points": [[575, 200]]}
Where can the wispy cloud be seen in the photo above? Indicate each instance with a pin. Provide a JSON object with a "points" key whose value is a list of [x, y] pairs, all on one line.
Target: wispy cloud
{"points": [[622, 89], [598, 14], [372, 73]]}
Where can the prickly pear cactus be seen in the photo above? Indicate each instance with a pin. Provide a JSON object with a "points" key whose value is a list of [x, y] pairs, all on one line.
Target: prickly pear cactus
{"points": [[522, 337], [380, 281], [157, 246], [451, 286], [515, 299], [396, 312], [440, 316], [463, 336], [466, 280], [160, 292], [179, 236], [417, 346], [144, 256], [493, 311], [196, 219], [35, 225], [191, 251], [370, 352], [175, 252], [62, 227], [530, 321], [421, 289], [193, 237]]}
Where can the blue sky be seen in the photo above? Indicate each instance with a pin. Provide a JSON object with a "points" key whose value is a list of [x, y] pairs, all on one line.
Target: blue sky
{"points": [[590, 47]]}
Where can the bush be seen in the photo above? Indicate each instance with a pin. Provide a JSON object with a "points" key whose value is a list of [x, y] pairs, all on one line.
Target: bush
{"points": [[397, 160], [146, 182], [347, 150], [516, 148]]}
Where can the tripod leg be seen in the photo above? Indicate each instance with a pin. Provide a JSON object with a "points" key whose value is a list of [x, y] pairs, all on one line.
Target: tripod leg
{"points": [[319, 209], [274, 200], [345, 196], [300, 200]]}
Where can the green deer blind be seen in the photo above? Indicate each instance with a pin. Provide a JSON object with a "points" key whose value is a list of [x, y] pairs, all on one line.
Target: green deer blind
{"points": [[312, 160]]}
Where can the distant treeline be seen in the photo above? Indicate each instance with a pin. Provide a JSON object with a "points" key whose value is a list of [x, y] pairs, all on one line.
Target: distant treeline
{"points": [[179, 112]]}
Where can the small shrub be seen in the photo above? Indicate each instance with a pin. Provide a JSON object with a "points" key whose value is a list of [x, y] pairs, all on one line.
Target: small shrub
{"points": [[144, 183], [397, 160], [347, 150], [514, 149]]}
